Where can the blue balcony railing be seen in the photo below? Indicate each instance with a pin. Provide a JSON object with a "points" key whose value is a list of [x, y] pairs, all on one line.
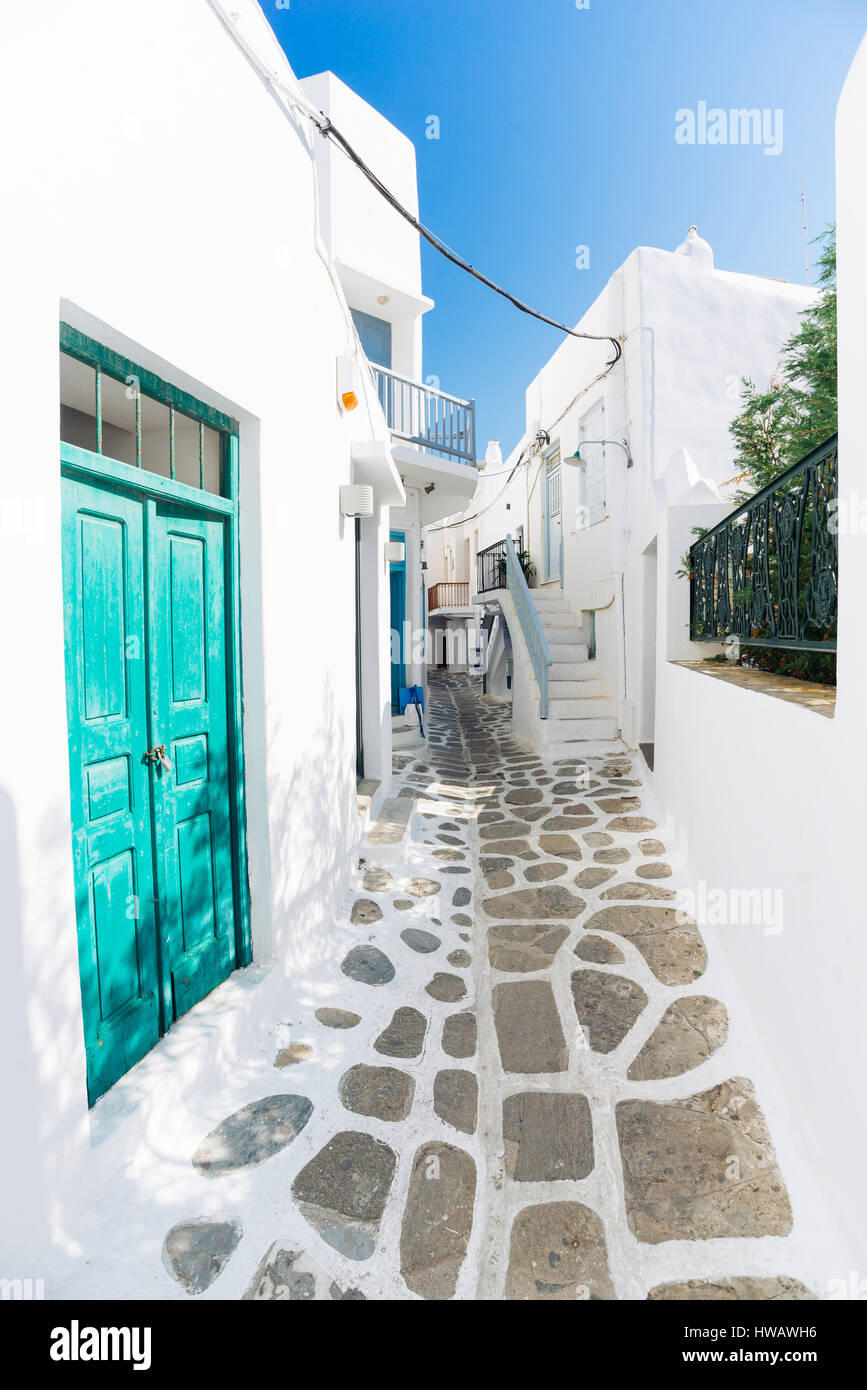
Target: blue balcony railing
{"points": [[431, 420]]}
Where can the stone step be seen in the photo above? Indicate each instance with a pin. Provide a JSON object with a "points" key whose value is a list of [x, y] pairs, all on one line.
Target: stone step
{"points": [[582, 748], [568, 652], [368, 794], [577, 730], [575, 690], [563, 634], [550, 605], [555, 617], [392, 824], [587, 707], [576, 669]]}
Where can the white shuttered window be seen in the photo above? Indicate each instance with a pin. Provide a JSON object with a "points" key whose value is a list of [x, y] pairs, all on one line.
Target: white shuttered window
{"points": [[593, 458]]}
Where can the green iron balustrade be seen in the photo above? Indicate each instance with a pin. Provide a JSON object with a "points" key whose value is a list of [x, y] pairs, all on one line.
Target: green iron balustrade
{"points": [[767, 574]]}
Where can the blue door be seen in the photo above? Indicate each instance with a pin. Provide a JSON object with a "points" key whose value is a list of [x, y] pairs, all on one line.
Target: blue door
{"points": [[375, 335], [553, 508], [397, 580]]}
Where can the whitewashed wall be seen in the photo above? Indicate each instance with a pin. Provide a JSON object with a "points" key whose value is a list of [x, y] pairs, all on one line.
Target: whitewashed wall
{"points": [[164, 204], [689, 335], [764, 794], [375, 251]]}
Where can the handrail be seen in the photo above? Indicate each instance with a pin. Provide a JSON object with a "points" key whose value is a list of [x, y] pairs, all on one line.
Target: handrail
{"points": [[534, 636], [449, 593], [426, 417], [430, 390], [767, 573]]}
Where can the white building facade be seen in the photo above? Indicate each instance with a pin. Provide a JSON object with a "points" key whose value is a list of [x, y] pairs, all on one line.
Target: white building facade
{"points": [[604, 453], [213, 671]]}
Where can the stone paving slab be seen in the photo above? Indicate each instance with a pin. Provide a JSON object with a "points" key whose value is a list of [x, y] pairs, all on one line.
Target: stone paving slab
{"points": [[529, 1031], [558, 1253], [437, 1220], [701, 1167], [547, 1137]]}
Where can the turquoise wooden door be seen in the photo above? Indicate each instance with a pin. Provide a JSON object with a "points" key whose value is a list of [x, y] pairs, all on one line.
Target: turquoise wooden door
{"points": [[187, 647], [147, 610], [104, 615]]}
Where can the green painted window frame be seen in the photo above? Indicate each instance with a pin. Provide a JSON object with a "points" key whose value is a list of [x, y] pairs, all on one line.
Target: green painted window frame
{"points": [[108, 470]]}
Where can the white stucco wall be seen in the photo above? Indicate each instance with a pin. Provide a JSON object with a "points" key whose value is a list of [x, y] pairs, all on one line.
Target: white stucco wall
{"points": [[376, 252], [765, 794], [201, 265]]}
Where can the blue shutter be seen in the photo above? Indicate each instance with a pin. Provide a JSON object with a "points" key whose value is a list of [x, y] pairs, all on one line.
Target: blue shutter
{"points": [[375, 335]]}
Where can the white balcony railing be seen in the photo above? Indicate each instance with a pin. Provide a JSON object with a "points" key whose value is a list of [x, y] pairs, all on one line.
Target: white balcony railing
{"points": [[432, 420]]}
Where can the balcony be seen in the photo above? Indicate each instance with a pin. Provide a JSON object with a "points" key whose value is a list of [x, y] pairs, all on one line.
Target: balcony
{"points": [[432, 421], [767, 574], [454, 594], [491, 568]]}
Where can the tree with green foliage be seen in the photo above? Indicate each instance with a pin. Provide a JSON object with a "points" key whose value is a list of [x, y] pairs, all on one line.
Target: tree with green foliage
{"points": [[798, 409], [783, 423]]}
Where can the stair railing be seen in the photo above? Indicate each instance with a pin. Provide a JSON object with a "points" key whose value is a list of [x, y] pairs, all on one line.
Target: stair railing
{"points": [[534, 636]]}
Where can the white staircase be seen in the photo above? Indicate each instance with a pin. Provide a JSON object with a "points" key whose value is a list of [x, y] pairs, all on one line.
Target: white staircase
{"points": [[578, 711]]}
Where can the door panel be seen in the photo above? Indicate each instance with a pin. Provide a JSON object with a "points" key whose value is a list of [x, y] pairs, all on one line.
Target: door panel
{"points": [[103, 554], [553, 509], [192, 819], [397, 587]]}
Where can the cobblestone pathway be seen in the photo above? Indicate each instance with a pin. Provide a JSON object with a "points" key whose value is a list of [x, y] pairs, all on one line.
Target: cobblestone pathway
{"points": [[532, 1099]]}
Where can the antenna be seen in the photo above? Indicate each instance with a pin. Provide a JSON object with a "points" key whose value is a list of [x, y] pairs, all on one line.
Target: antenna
{"points": [[804, 216]]}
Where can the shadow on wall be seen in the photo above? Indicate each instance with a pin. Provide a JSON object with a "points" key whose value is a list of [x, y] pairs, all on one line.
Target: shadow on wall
{"points": [[313, 824], [28, 1054]]}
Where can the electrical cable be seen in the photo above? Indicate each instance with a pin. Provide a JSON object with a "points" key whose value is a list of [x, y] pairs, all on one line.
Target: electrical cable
{"points": [[330, 132]]}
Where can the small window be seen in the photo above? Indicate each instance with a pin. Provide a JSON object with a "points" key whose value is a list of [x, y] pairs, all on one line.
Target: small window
{"points": [[118, 420], [156, 431], [77, 403], [106, 410]]}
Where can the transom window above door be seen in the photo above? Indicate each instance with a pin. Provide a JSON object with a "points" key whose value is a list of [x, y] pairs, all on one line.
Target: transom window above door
{"points": [[112, 407]]}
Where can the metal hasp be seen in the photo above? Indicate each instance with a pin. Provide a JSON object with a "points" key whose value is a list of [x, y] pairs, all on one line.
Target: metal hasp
{"points": [[534, 636], [767, 573]]}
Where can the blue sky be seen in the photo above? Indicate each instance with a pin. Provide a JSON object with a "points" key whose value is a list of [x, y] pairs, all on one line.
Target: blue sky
{"points": [[557, 130]]}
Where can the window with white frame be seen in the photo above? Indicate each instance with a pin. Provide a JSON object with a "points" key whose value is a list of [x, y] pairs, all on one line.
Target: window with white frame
{"points": [[593, 470]]}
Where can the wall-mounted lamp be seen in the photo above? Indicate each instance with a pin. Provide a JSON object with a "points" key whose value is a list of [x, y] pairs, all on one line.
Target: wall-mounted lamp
{"points": [[356, 499], [543, 439], [576, 457], [431, 487], [395, 552]]}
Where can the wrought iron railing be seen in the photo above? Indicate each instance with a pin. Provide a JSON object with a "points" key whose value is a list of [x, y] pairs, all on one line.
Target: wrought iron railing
{"points": [[436, 422], [767, 573], [449, 594], [491, 568], [528, 617]]}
